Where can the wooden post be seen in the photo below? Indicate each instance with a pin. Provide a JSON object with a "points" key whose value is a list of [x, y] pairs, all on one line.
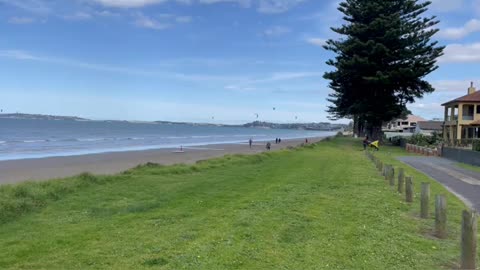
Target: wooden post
{"points": [[440, 216], [409, 189], [401, 180], [424, 200], [386, 173], [391, 176], [380, 166], [469, 240]]}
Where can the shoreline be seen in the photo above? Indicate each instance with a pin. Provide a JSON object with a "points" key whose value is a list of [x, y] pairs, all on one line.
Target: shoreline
{"points": [[107, 163]]}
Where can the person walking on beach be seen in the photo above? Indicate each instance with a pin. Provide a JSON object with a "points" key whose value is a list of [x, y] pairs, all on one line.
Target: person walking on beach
{"points": [[268, 146], [250, 143]]}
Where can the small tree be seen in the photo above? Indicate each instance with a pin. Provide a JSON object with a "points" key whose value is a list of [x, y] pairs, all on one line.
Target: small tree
{"points": [[381, 60]]}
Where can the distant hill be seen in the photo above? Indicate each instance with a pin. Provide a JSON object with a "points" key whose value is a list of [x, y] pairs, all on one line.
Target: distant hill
{"points": [[324, 126], [39, 117]]}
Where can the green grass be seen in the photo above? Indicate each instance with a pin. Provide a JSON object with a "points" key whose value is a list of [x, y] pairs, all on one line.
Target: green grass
{"points": [[320, 207], [469, 167]]}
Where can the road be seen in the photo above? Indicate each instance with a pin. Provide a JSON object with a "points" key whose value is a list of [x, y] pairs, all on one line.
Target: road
{"points": [[464, 183]]}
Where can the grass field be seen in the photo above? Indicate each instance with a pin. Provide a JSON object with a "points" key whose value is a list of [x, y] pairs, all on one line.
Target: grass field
{"points": [[319, 207], [469, 167]]}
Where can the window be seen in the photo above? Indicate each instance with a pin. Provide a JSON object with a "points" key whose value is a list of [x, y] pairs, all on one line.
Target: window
{"points": [[405, 123], [478, 108]]}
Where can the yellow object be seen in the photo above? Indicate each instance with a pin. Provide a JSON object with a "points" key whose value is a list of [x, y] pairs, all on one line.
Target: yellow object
{"points": [[374, 144]]}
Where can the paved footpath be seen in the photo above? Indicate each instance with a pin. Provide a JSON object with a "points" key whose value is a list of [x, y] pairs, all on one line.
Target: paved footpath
{"points": [[464, 183]]}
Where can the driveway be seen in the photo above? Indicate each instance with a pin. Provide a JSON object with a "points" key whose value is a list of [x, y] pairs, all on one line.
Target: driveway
{"points": [[464, 183]]}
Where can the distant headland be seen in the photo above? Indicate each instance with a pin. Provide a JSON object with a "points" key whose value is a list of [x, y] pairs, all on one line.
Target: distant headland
{"points": [[321, 126]]}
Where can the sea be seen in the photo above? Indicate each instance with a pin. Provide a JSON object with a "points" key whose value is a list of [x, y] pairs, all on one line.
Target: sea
{"points": [[38, 138]]}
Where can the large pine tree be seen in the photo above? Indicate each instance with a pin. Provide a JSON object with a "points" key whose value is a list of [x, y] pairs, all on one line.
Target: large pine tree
{"points": [[384, 53]]}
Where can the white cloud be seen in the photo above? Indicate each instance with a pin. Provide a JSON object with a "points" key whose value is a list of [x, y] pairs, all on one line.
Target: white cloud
{"points": [[316, 41], [276, 31], [461, 53], [21, 20], [78, 16], [34, 6], [128, 3], [183, 19], [147, 22], [262, 6], [277, 6], [469, 27], [460, 86]]}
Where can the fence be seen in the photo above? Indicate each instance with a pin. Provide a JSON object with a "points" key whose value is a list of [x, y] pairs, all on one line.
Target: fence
{"points": [[469, 218], [422, 150], [462, 155]]}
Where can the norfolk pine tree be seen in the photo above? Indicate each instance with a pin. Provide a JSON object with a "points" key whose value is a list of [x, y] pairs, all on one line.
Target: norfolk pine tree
{"points": [[384, 53]]}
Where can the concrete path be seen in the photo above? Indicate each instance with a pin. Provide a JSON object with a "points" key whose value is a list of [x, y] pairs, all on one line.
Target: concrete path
{"points": [[464, 183]]}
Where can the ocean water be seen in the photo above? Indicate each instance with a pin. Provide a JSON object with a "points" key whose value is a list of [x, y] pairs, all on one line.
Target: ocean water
{"points": [[22, 138]]}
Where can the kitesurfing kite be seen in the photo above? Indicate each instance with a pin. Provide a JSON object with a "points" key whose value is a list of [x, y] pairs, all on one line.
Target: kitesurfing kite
{"points": [[374, 145]]}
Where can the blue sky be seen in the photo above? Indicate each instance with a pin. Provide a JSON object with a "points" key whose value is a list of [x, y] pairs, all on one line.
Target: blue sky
{"points": [[195, 60]]}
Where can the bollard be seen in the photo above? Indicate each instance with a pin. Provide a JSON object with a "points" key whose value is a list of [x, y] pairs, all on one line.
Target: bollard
{"points": [[401, 180], [469, 240], [441, 216], [380, 167], [424, 200], [386, 173], [409, 189], [391, 176]]}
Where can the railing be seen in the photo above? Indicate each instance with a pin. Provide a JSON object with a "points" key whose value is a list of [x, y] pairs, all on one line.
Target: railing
{"points": [[467, 117]]}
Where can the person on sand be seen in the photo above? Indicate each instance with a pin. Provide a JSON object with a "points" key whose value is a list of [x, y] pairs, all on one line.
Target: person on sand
{"points": [[268, 146], [250, 143], [279, 140], [306, 141], [366, 142]]}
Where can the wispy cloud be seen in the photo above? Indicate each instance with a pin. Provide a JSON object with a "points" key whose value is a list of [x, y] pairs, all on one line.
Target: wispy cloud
{"points": [[262, 6], [468, 28], [34, 6], [276, 31], [148, 22], [21, 20], [461, 53], [27, 56], [316, 41], [78, 16]]}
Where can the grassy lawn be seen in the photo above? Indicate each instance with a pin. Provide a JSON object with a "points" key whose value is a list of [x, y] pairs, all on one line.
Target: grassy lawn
{"points": [[469, 167], [318, 207]]}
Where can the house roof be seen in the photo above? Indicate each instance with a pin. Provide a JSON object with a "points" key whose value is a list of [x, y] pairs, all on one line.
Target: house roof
{"points": [[410, 118], [473, 97], [430, 125]]}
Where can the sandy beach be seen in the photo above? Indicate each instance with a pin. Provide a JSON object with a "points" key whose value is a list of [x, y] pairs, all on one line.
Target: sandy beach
{"points": [[14, 171]]}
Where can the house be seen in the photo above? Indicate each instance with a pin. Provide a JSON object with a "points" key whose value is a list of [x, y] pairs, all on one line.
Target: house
{"points": [[462, 116], [404, 125], [429, 127]]}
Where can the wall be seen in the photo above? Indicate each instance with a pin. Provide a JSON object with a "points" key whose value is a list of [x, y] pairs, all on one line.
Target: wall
{"points": [[462, 155]]}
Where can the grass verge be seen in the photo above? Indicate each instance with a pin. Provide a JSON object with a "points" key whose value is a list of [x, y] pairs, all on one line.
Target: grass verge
{"points": [[320, 207]]}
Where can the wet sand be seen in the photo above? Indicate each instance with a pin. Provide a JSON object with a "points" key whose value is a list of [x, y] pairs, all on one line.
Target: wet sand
{"points": [[14, 171]]}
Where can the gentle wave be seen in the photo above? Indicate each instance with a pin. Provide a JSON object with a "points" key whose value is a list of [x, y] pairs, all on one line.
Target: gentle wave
{"points": [[34, 141]]}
